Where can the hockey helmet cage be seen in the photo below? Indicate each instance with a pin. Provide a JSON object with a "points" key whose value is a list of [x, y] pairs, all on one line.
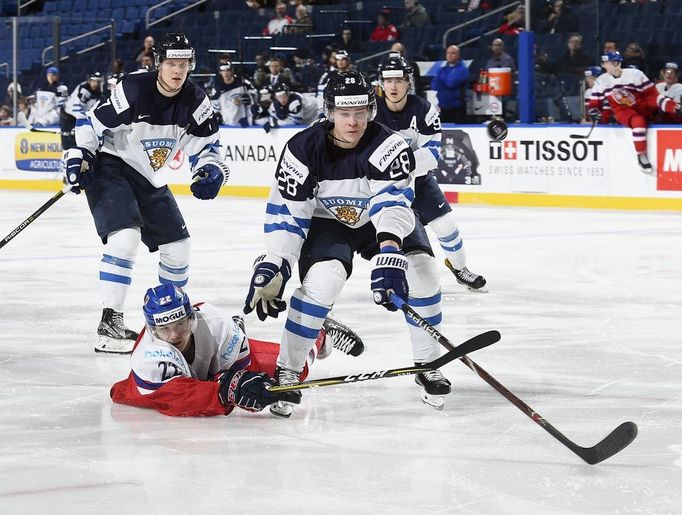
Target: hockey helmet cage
{"points": [[349, 89], [612, 56], [395, 66], [174, 45]]}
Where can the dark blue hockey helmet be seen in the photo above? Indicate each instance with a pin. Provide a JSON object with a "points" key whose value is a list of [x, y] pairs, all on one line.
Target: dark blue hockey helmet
{"points": [[395, 66], [349, 89], [174, 45], [168, 313]]}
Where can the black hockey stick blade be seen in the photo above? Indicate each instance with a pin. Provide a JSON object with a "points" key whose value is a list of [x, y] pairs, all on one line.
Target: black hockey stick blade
{"points": [[477, 342], [584, 136], [615, 442]]}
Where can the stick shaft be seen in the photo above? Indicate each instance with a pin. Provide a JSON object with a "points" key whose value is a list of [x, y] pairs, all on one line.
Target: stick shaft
{"points": [[31, 218]]}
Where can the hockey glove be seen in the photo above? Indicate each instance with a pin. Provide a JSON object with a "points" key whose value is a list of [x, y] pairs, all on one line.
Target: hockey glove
{"points": [[78, 171], [249, 390], [207, 182], [388, 276], [594, 114], [270, 276]]}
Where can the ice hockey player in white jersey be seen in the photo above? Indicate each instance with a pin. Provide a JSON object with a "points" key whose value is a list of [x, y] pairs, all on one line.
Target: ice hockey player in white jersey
{"points": [[123, 145], [288, 108], [79, 102], [49, 99], [345, 186], [197, 360], [672, 89], [416, 120], [232, 97]]}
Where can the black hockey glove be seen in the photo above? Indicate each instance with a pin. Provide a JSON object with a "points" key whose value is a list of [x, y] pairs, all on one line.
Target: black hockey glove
{"points": [[249, 390], [207, 182], [78, 167], [388, 276], [270, 276], [594, 114]]}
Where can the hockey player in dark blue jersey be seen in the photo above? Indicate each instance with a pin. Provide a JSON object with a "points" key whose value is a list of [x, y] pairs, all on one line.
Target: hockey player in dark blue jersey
{"points": [[345, 186], [123, 145], [416, 120]]}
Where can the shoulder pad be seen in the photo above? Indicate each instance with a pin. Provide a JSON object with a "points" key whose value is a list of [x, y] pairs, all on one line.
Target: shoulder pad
{"points": [[204, 111], [387, 151]]}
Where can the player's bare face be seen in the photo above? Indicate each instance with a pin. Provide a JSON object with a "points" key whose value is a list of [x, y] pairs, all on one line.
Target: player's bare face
{"points": [[396, 89], [176, 333], [172, 75], [612, 67], [350, 124]]}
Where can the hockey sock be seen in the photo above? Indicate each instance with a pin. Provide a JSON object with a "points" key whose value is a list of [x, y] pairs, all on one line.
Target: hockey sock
{"points": [[638, 126], [422, 276], [116, 267], [174, 262], [450, 240]]}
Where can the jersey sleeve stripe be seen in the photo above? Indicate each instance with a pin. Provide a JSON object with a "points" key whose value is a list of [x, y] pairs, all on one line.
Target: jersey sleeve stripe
{"points": [[241, 363], [211, 147], [383, 205], [408, 193], [283, 226]]}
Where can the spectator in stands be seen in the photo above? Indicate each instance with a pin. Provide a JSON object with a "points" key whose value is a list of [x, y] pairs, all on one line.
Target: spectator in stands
{"points": [[279, 21], [277, 75], [498, 57], [117, 67], [48, 99], [415, 15], [384, 31], [574, 60], [449, 84], [559, 19], [347, 42], [304, 22], [609, 46], [6, 116], [146, 63], [145, 50], [514, 22], [399, 48], [634, 57], [9, 99]]}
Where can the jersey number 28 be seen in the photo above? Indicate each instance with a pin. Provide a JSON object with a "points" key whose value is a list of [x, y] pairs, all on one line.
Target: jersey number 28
{"points": [[400, 167]]}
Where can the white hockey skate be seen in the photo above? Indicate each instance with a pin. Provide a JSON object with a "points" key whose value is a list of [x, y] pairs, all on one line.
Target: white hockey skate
{"points": [[435, 387], [284, 376], [114, 337], [645, 164]]}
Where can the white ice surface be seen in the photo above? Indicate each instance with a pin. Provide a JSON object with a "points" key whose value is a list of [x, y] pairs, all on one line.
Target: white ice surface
{"points": [[588, 303]]}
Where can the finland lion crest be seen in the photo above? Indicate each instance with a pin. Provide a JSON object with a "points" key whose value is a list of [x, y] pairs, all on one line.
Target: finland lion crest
{"points": [[158, 151], [346, 210]]}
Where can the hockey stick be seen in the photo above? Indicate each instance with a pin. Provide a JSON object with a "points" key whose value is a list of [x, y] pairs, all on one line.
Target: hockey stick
{"points": [[33, 217], [615, 442], [584, 136], [477, 342], [46, 131]]}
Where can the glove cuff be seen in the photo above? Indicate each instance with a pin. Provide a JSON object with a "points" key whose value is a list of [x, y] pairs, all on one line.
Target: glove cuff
{"points": [[390, 260]]}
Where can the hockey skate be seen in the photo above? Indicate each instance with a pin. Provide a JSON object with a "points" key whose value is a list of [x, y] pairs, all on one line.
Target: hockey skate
{"points": [[340, 337], [284, 376], [435, 387], [645, 164], [466, 278], [114, 337]]}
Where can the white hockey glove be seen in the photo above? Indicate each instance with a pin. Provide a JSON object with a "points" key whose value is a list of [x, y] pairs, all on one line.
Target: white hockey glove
{"points": [[270, 276]]}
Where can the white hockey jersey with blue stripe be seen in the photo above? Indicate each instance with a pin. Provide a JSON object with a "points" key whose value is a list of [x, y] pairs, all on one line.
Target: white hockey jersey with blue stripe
{"points": [[371, 183]]}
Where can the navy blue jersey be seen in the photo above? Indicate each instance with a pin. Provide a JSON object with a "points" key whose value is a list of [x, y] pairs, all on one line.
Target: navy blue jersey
{"points": [[419, 124], [145, 129], [315, 178]]}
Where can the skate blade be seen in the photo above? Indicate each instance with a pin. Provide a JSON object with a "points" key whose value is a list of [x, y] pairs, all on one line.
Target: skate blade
{"points": [[482, 289], [108, 345], [281, 409], [435, 401]]}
